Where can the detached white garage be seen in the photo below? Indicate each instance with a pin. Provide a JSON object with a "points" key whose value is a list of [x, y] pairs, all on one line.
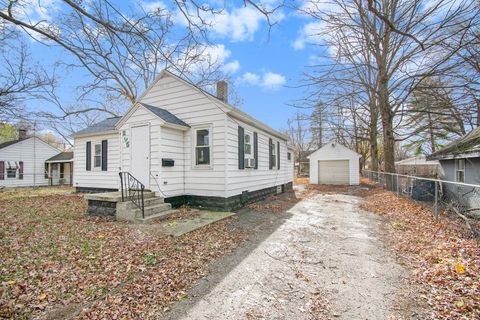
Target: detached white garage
{"points": [[334, 164]]}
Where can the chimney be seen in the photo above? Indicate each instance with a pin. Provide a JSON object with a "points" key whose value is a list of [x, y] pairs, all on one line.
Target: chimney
{"points": [[222, 90], [22, 134]]}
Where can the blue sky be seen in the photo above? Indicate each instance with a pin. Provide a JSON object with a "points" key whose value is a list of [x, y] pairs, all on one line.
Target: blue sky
{"points": [[265, 66]]}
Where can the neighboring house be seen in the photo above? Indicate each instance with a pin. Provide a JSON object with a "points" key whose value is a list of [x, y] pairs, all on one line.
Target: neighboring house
{"points": [[418, 166], [187, 145], [334, 164], [460, 159], [22, 162], [59, 169], [460, 162]]}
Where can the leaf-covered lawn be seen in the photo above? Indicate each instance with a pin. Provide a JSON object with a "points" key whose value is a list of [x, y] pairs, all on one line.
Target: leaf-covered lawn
{"points": [[56, 260], [445, 258]]}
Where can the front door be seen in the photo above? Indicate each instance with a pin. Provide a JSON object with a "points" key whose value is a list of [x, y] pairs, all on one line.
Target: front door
{"points": [[140, 153]]}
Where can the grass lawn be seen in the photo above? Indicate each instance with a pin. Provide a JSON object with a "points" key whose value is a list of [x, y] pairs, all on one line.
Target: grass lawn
{"points": [[56, 261]]}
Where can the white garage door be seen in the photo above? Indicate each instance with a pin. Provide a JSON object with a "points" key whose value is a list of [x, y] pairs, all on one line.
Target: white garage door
{"points": [[333, 172]]}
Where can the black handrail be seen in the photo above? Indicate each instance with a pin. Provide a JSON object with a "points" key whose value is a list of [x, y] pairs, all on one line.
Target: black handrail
{"points": [[132, 190]]}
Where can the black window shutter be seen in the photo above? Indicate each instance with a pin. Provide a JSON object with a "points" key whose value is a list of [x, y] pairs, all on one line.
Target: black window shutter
{"points": [[270, 153], [2, 170], [88, 156], [278, 154], [104, 155], [255, 149], [241, 148], [20, 176]]}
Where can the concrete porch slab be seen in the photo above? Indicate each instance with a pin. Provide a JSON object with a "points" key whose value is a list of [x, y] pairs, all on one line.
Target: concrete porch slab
{"points": [[106, 196], [178, 228]]}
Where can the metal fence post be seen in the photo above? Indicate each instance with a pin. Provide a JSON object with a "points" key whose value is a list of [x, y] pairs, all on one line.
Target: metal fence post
{"points": [[436, 202], [398, 185]]}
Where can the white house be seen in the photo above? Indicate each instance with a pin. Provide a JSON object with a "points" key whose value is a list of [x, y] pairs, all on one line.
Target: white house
{"points": [[186, 145], [22, 162], [334, 164]]}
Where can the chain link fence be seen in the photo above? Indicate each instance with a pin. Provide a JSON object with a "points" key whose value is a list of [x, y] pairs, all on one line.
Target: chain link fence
{"points": [[17, 180], [462, 199]]}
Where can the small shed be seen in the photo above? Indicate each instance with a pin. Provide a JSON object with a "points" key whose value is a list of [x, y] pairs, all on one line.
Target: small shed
{"points": [[334, 164]]}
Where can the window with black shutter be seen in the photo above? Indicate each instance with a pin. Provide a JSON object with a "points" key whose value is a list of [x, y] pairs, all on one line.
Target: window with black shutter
{"points": [[20, 173], [88, 156], [269, 153], [104, 155], [278, 155], [241, 148], [255, 149], [2, 170]]}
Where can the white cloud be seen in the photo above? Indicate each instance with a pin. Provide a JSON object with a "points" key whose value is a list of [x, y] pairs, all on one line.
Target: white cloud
{"points": [[309, 34], [250, 78], [268, 81], [153, 6], [273, 81], [239, 25], [231, 67]]}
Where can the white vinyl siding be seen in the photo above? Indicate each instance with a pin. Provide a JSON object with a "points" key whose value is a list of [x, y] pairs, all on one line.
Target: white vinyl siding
{"points": [[221, 178], [239, 180], [96, 178], [333, 172], [140, 117], [33, 152], [196, 109], [335, 152]]}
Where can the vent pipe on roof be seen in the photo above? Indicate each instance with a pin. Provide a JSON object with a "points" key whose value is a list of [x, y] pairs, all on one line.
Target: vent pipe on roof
{"points": [[222, 90]]}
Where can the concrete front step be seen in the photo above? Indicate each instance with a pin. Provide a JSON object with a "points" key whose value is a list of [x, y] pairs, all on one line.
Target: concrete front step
{"points": [[148, 202], [152, 210], [159, 216]]}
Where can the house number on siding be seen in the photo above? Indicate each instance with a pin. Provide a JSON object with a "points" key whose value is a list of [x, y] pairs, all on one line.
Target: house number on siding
{"points": [[125, 138]]}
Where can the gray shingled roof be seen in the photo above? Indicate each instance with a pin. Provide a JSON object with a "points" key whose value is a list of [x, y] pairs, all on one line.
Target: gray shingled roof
{"points": [[102, 126], [469, 144], [165, 115], [8, 143], [62, 156]]}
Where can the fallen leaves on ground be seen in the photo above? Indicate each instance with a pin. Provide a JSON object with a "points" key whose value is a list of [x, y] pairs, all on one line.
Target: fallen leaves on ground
{"points": [[445, 259], [56, 258], [276, 203]]}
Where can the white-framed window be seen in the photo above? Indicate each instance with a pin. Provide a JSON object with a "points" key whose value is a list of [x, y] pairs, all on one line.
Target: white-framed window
{"points": [[460, 170], [289, 156], [97, 155], [248, 145], [203, 143], [274, 155]]}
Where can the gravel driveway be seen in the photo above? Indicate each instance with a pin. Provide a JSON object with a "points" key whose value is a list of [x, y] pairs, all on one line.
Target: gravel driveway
{"points": [[326, 255]]}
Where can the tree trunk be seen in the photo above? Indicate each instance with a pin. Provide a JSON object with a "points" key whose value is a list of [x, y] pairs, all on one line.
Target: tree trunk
{"points": [[373, 137], [430, 132], [387, 122]]}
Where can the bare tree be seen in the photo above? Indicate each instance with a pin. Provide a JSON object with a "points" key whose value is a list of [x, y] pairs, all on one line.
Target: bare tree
{"points": [[122, 53], [399, 43], [21, 79]]}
